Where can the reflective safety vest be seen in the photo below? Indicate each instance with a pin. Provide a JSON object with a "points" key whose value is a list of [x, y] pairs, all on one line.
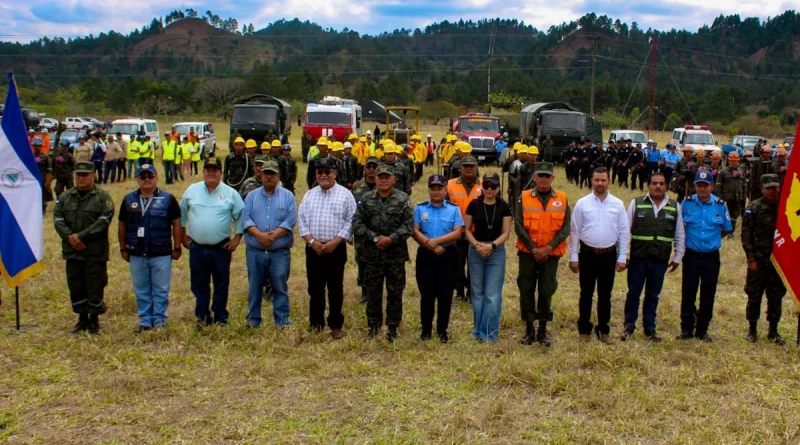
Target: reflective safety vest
{"points": [[652, 235], [457, 194], [543, 224], [146, 150], [133, 150], [195, 152], [168, 148], [186, 151]]}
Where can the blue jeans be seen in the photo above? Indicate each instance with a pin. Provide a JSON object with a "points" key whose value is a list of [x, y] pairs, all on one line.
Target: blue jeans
{"points": [[151, 280], [276, 265], [647, 274], [132, 167], [487, 276], [207, 262], [109, 171], [169, 171]]}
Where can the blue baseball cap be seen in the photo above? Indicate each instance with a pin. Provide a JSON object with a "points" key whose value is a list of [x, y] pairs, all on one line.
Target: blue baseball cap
{"points": [[703, 176], [145, 168]]}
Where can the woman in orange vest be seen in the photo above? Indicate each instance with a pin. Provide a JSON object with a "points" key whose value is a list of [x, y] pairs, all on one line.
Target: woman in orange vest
{"points": [[487, 226]]}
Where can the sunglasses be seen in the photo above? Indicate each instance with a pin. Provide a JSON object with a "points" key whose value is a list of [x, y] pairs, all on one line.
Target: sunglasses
{"points": [[490, 186], [147, 176], [324, 172]]}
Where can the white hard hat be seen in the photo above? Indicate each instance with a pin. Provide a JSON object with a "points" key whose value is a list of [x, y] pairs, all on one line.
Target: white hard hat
{"points": [[649, 141], [505, 135], [429, 135], [369, 133], [348, 145]]}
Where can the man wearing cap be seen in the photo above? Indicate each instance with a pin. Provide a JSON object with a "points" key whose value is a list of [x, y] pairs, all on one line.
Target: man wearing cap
{"points": [[760, 167], [623, 151], [461, 191], [598, 247], [252, 149], [150, 239], [403, 152], [270, 214], [542, 224], [45, 165], [430, 148], [462, 150], [385, 221], [254, 182], [209, 209], [342, 174], [547, 149], [318, 154], [437, 226], [652, 157], [169, 150], [288, 168], [669, 162], [401, 173], [325, 222], [81, 218], [779, 166], [758, 234], [656, 225], [637, 166], [83, 151], [114, 153], [63, 167], [146, 151], [360, 188], [731, 186], [238, 165], [351, 164], [98, 156], [706, 220]]}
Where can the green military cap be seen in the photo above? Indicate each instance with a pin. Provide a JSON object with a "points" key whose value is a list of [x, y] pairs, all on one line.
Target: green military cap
{"points": [[545, 168], [469, 160], [260, 160], [270, 166], [385, 169], [372, 160], [213, 161], [84, 167], [769, 180]]}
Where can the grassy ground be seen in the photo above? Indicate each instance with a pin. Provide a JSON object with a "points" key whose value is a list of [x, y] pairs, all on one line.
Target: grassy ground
{"points": [[235, 385]]}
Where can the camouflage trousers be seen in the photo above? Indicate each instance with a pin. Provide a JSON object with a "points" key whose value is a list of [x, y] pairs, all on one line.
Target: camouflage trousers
{"points": [[374, 276], [87, 281], [764, 280]]}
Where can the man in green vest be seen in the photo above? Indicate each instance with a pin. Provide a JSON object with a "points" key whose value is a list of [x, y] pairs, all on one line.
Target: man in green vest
{"points": [[145, 150], [169, 149], [656, 230]]}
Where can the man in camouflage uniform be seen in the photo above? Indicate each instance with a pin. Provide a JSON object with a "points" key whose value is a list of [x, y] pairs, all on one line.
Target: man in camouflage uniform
{"points": [[342, 174], [547, 149], [405, 155], [401, 173], [288, 167], [360, 188], [253, 182], [762, 166], [732, 187], [63, 165], [81, 218], [758, 234], [384, 220], [274, 150], [685, 169], [354, 172], [462, 150], [45, 171], [779, 166], [238, 165]]}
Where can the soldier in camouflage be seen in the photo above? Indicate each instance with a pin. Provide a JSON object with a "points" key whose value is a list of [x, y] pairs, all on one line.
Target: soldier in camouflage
{"points": [[288, 168], [238, 166], [253, 182], [354, 170], [401, 173], [360, 188], [385, 221], [406, 157], [63, 166], [760, 167], [758, 233], [45, 171], [732, 187], [780, 166]]}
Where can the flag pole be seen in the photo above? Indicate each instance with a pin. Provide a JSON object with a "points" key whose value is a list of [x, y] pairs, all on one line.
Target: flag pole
{"points": [[798, 329], [16, 290]]}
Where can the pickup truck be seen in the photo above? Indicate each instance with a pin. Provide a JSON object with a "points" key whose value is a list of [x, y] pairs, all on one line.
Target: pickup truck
{"points": [[741, 144], [79, 123]]}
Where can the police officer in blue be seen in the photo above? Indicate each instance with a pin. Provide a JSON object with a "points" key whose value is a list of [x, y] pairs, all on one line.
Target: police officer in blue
{"points": [[706, 219], [653, 156], [150, 239], [437, 226], [669, 160]]}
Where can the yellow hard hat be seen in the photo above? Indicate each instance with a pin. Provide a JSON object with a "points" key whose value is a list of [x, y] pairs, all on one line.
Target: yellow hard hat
{"points": [[276, 143], [516, 145], [522, 149], [337, 146], [416, 137], [322, 141], [463, 147], [451, 138], [389, 148], [250, 144], [534, 150], [362, 139], [265, 145], [352, 136], [238, 139]]}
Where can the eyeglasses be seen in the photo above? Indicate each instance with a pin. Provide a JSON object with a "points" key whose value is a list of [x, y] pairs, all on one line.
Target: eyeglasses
{"points": [[490, 186], [147, 176], [324, 172]]}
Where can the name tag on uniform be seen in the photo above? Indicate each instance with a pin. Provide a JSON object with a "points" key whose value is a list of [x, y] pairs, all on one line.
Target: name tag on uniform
{"points": [[140, 232]]}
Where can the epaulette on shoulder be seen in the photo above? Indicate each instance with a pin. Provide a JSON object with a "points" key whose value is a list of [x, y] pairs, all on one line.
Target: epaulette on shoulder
{"points": [[422, 203], [720, 200], [691, 197], [449, 202]]}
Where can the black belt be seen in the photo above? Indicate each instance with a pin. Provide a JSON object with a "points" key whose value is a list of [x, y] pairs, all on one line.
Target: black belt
{"points": [[702, 254], [589, 249], [219, 244]]}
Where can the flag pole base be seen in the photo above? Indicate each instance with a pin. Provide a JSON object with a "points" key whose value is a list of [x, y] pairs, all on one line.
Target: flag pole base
{"points": [[16, 301]]}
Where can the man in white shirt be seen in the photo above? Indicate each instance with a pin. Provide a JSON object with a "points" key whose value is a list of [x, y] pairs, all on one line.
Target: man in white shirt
{"points": [[598, 246], [656, 226]]}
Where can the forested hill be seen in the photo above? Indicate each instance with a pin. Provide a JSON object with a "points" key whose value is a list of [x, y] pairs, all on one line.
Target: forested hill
{"points": [[743, 61]]}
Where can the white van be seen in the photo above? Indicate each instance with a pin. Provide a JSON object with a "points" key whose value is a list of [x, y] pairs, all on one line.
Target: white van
{"points": [[129, 126]]}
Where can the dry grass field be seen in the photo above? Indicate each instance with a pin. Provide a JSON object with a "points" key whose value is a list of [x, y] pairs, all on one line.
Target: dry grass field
{"points": [[238, 385]]}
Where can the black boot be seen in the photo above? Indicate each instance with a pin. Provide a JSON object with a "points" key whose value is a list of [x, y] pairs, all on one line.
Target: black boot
{"points": [[541, 335], [391, 334], [94, 325], [529, 337], [774, 336], [751, 336], [374, 331], [83, 323]]}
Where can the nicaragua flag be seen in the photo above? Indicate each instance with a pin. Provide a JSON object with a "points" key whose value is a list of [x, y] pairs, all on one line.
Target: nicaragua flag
{"points": [[21, 230]]}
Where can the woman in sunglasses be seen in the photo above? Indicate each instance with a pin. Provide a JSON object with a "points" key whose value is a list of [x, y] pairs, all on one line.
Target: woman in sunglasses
{"points": [[487, 225]]}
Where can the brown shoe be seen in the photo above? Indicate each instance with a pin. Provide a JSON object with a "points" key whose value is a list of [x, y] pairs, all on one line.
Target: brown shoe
{"points": [[604, 338], [584, 337], [337, 334]]}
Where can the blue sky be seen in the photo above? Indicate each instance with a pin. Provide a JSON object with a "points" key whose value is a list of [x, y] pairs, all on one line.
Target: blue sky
{"points": [[24, 20]]}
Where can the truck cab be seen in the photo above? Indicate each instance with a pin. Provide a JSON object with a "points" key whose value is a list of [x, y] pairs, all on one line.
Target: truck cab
{"points": [[695, 137], [480, 131], [253, 117], [636, 137], [331, 120], [205, 135]]}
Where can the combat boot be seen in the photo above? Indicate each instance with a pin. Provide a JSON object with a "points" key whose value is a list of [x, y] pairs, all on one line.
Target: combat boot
{"points": [[529, 337], [94, 325], [541, 335], [83, 323], [774, 336], [374, 331], [753, 333], [391, 334]]}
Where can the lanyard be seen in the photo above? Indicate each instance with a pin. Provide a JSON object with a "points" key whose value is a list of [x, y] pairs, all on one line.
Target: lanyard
{"points": [[142, 203]]}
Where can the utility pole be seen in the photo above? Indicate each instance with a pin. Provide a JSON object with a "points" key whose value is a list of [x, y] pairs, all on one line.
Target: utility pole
{"points": [[489, 77], [652, 92], [594, 40]]}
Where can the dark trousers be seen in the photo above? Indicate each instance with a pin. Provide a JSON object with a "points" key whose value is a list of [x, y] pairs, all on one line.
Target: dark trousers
{"points": [[622, 175], [326, 271], [641, 175], [735, 210], [586, 175], [109, 171], [613, 169], [647, 274], [87, 281], [596, 270], [462, 274], [98, 168], [169, 171], [375, 275], [122, 173], [194, 167], [699, 270], [765, 279], [534, 275], [652, 167], [429, 159], [436, 279], [62, 185], [418, 173], [207, 263], [668, 176]]}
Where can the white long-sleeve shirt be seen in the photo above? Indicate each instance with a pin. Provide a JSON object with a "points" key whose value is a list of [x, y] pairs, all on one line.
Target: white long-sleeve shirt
{"points": [[679, 244], [599, 224]]}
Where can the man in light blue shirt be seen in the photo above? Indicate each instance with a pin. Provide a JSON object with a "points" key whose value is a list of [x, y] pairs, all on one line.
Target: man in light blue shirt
{"points": [[209, 208], [270, 213], [669, 159], [707, 220]]}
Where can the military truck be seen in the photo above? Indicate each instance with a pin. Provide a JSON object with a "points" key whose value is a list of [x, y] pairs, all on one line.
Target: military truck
{"points": [[561, 121], [253, 117]]}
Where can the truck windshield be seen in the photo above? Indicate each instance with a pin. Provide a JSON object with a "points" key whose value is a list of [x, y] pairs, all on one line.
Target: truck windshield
{"points": [[328, 118], [751, 141], [127, 129], [635, 137], [184, 128], [564, 122], [479, 124], [699, 138], [253, 115]]}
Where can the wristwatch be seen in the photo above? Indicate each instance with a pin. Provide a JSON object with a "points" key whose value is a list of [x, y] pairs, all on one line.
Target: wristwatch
{"points": [[494, 246], [376, 238], [177, 249], [311, 242]]}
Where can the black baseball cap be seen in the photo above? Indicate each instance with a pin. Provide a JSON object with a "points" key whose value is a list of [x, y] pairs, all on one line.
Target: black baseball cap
{"points": [[437, 180], [491, 177]]}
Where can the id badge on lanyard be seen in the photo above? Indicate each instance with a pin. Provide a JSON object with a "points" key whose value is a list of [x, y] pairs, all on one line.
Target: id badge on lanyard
{"points": [[144, 207]]}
